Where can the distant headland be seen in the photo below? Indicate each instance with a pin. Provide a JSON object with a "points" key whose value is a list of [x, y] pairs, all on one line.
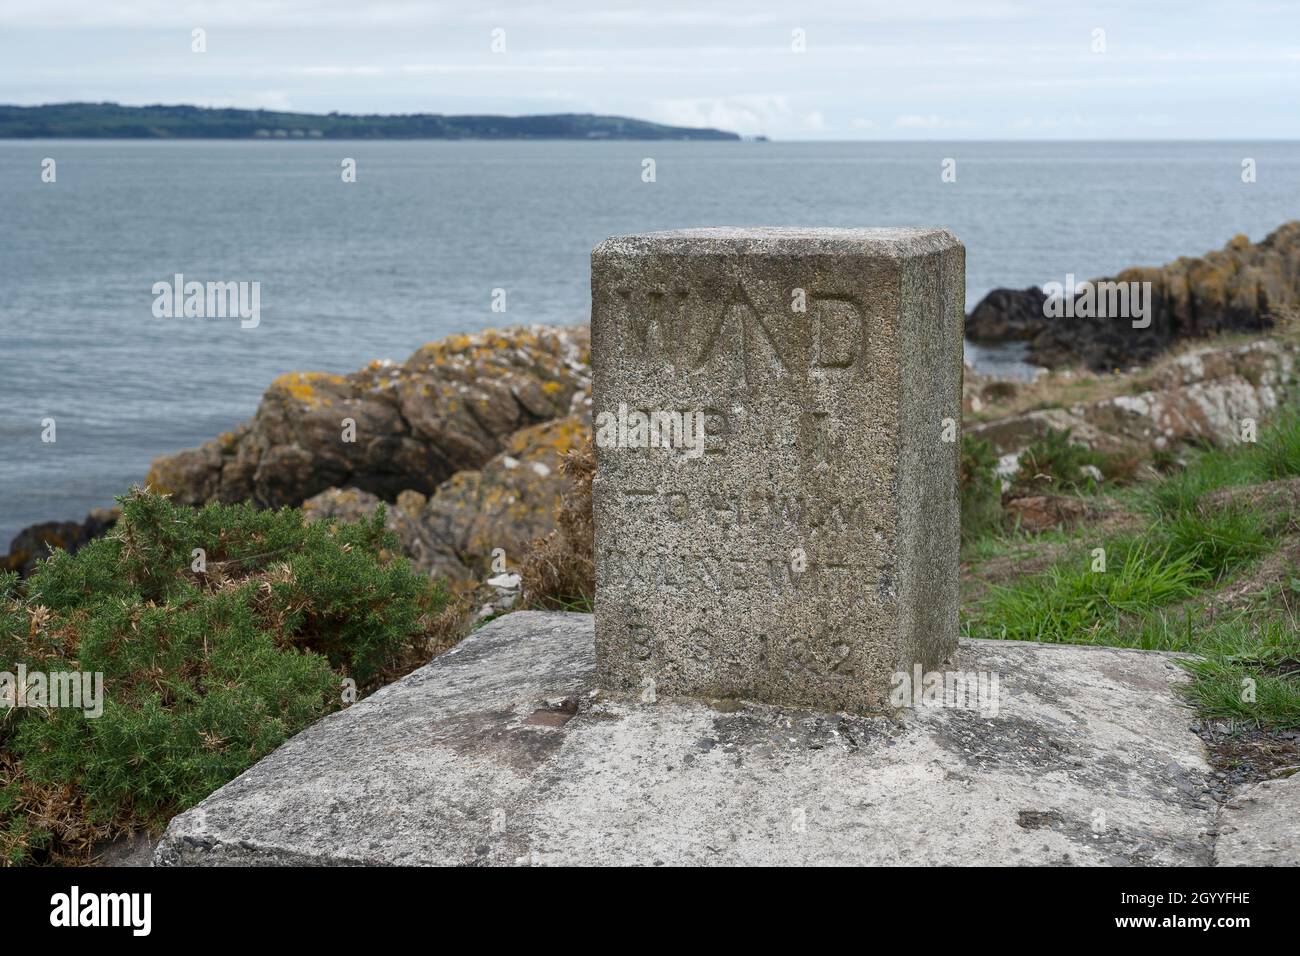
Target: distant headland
{"points": [[111, 121]]}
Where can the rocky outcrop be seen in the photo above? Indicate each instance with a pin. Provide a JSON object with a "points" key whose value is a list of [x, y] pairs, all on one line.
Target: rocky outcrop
{"points": [[1007, 315], [1200, 397], [1244, 287], [451, 406], [35, 543], [513, 499]]}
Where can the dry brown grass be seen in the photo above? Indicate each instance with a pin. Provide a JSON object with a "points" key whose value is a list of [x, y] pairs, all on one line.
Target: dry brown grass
{"points": [[56, 810], [559, 573]]}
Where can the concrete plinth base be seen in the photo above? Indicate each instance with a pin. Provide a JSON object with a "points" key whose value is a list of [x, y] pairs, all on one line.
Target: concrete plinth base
{"points": [[502, 752]]}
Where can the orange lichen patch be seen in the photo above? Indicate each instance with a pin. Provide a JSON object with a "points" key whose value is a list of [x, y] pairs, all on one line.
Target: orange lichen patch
{"points": [[558, 436], [15, 560], [490, 346], [303, 386], [154, 480], [568, 434]]}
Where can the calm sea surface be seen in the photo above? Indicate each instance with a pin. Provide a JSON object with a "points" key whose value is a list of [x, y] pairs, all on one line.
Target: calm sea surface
{"points": [[412, 251]]}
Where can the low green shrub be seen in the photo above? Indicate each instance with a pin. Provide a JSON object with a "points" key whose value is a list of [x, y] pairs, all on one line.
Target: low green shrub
{"points": [[207, 666], [1055, 465], [981, 488]]}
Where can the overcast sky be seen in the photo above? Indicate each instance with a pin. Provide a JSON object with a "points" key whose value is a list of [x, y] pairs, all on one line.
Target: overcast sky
{"points": [[902, 69]]}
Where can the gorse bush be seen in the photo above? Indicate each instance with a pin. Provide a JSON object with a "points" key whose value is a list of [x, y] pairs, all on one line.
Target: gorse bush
{"points": [[207, 666]]}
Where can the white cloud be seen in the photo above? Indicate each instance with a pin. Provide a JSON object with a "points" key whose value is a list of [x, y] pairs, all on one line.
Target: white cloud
{"points": [[943, 68], [624, 14], [749, 115], [916, 121]]}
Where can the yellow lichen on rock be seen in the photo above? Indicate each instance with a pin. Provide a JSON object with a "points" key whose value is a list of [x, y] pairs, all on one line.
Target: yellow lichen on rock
{"points": [[303, 386]]}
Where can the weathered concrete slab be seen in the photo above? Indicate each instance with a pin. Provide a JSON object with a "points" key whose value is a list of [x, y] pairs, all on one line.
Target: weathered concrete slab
{"points": [[799, 546], [1261, 825], [502, 752]]}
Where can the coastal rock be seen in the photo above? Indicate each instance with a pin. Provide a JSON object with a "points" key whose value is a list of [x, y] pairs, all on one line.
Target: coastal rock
{"points": [[34, 544], [452, 406], [1202, 396], [1014, 433], [1241, 288], [1007, 315], [402, 517], [507, 503], [1197, 397]]}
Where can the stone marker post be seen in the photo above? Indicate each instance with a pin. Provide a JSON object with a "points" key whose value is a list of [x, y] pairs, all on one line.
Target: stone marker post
{"points": [[777, 425]]}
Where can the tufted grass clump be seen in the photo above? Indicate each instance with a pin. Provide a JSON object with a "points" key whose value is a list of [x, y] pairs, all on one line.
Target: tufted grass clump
{"points": [[1278, 454], [1071, 603], [1274, 455], [220, 632]]}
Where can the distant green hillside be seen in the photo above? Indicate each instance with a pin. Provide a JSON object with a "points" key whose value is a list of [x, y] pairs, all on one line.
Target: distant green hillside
{"points": [[108, 120]]}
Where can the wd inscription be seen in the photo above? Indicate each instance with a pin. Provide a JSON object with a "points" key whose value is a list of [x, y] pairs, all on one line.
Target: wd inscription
{"points": [[804, 548]]}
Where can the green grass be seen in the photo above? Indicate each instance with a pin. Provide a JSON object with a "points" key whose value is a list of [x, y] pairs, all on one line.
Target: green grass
{"points": [[1207, 472], [1072, 604], [1278, 450], [1275, 455], [1156, 591], [1218, 541], [1148, 603], [1007, 541], [1246, 656]]}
